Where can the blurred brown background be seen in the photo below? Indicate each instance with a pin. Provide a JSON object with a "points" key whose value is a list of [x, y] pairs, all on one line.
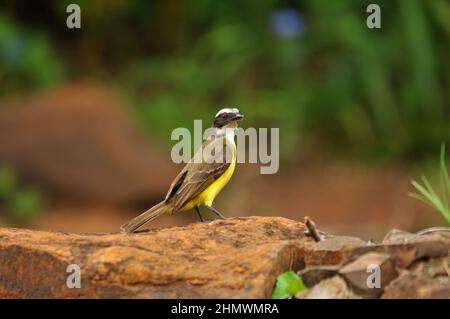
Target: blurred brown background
{"points": [[86, 114]]}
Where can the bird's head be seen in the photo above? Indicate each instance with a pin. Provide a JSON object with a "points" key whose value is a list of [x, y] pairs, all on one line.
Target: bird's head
{"points": [[227, 117]]}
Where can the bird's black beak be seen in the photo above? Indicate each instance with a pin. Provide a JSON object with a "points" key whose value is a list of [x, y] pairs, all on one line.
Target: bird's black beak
{"points": [[238, 117]]}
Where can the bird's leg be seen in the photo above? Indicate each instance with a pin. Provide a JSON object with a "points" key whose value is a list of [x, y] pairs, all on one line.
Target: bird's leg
{"points": [[198, 213], [215, 211]]}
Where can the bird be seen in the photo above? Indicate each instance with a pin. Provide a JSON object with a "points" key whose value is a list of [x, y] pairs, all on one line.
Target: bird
{"points": [[200, 181]]}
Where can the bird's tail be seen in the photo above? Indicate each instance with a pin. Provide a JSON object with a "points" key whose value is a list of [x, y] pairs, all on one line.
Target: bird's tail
{"points": [[132, 225]]}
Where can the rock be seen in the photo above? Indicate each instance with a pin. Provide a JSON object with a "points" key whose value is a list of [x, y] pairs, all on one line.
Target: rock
{"points": [[333, 251], [418, 288], [400, 253], [79, 141], [397, 236], [357, 273], [331, 288], [425, 279], [340, 250], [313, 275], [338, 243], [403, 254], [432, 268], [231, 258]]}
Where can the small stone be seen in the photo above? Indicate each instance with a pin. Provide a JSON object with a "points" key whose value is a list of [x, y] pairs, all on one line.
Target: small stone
{"points": [[397, 236], [337, 243], [432, 268], [359, 273], [412, 286], [331, 288], [333, 250], [313, 275], [424, 279]]}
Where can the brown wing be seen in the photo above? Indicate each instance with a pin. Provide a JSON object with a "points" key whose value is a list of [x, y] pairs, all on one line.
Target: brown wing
{"points": [[196, 177]]}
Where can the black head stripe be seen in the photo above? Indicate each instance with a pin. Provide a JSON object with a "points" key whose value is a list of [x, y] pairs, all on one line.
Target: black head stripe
{"points": [[223, 119]]}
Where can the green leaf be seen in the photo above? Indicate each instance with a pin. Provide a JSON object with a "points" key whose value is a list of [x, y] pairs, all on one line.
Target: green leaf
{"points": [[8, 181], [288, 284], [27, 203], [445, 179], [429, 196]]}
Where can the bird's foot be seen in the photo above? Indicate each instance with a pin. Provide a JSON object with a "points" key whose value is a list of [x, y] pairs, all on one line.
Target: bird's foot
{"points": [[199, 214], [215, 211]]}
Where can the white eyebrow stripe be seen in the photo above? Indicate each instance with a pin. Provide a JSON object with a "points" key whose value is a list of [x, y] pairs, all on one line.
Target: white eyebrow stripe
{"points": [[227, 110]]}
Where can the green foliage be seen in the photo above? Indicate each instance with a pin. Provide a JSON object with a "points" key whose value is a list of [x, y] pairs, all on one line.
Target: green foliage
{"points": [[371, 93], [26, 59], [22, 202], [8, 181], [352, 90], [427, 194], [288, 285]]}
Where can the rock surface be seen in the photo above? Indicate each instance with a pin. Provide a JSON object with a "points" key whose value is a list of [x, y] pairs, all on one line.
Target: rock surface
{"points": [[409, 266], [425, 279], [331, 288], [315, 274], [232, 258], [356, 273], [340, 250]]}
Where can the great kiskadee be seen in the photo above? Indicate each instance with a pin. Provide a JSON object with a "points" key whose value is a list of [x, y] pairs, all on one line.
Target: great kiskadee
{"points": [[204, 175]]}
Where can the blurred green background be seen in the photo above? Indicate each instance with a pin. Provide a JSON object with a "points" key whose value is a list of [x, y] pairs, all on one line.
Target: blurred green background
{"points": [[338, 91]]}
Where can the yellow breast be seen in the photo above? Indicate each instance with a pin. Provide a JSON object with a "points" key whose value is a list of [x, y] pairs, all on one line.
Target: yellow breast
{"points": [[209, 194]]}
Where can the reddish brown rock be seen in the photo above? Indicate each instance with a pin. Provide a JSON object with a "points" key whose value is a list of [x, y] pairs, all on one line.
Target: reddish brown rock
{"points": [[232, 258], [404, 253], [78, 140], [414, 258], [410, 286], [425, 279], [357, 273], [342, 250], [333, 251]]}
